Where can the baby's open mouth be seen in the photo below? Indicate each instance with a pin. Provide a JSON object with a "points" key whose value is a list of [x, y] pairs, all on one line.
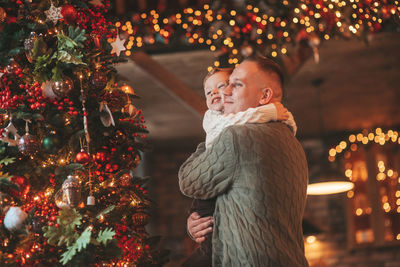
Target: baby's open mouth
{"points": [[216, 100]]}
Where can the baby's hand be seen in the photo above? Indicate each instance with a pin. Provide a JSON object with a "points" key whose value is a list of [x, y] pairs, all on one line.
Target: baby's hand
{"points": [[282, 113]]}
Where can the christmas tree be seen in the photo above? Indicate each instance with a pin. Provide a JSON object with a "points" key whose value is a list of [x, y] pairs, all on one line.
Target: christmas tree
{"points": [[70, 138]]}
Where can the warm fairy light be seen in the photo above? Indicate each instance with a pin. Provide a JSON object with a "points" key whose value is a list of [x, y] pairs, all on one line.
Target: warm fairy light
{"points": [[386, 207], [359, 212], [380, 176], [311, 239], [348, 173], [343, 144], [350, 194], [390, 173]]}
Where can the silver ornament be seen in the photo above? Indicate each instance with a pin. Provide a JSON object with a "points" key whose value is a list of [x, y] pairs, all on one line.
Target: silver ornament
{"points": [[71, 189], [30, 41]]}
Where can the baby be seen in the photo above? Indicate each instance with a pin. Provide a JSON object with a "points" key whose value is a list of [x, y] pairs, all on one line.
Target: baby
{"points": [[213, 123]]}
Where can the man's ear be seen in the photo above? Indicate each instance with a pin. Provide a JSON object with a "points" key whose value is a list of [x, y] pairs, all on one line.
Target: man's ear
{"points": [[266, 97]]}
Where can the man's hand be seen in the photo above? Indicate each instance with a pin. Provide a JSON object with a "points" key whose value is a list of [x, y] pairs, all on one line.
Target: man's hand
{"points": [[198, 226], [282, 113]]}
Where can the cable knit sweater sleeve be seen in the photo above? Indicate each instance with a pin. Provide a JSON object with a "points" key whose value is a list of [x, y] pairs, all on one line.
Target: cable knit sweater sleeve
{"points": [[208, 173]]}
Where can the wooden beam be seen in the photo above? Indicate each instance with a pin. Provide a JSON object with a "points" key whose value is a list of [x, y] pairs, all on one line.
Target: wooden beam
{"points": [[174, 85]]}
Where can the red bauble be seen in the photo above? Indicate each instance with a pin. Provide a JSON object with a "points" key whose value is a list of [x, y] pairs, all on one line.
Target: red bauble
{"points": [[23, 184], [82, 157], [69, 13]]}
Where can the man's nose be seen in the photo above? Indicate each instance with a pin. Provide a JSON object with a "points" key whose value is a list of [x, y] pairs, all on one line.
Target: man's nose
{"points": [[227, 90]]}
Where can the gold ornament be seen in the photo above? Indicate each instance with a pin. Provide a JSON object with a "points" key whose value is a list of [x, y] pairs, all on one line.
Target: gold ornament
{"points": [[127, 89], [97, 2], [125, 180], [3, 118], [5, 203], [62, 87], [3, 15], [130, 109]]}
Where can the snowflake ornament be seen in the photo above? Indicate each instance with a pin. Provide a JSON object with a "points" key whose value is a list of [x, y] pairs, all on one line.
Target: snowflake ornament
{"points": [[54, 13], [118, 46]]}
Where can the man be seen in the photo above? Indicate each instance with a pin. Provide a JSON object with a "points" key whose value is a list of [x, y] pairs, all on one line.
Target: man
{"points": [[258, 172]]}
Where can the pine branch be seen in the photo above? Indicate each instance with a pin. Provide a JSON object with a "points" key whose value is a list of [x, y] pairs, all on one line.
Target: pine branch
{"points": [[80, 244], [105, 236]]}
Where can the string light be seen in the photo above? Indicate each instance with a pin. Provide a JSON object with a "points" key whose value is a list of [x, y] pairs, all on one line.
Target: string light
{"points": [[378, 136]]}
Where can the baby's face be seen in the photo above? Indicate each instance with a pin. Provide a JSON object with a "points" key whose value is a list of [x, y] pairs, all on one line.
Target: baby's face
{"points": [[213, 90]]}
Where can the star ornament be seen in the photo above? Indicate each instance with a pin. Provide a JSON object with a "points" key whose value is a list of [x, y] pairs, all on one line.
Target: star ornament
{"points": [[54, 13], [118, 46]]}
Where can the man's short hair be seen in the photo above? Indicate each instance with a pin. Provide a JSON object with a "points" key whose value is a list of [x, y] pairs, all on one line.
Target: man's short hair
{"points": [[270, 67], [215, 70], [267, 65]]}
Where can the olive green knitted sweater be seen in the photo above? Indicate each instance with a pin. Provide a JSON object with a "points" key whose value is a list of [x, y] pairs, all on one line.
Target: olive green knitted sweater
{"points": [[259, 173]]}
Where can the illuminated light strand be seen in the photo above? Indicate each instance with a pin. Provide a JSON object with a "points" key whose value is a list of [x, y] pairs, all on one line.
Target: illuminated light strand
{"points": [[363, 16], [377, 136]]}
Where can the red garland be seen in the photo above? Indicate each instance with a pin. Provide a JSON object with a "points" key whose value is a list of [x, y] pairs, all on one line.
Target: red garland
{"points": [[129, 245]]}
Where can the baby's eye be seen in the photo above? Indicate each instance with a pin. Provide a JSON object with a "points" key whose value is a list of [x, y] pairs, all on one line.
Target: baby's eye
{"points": [[237, 84], [209, 92], [222, 86]]}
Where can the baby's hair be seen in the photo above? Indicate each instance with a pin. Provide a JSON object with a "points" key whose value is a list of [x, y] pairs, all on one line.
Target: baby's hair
{"points": [[215, 70]]}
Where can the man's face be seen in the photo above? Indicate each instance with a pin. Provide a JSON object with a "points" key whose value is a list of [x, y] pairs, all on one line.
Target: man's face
{"points": [[245, 88]]}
